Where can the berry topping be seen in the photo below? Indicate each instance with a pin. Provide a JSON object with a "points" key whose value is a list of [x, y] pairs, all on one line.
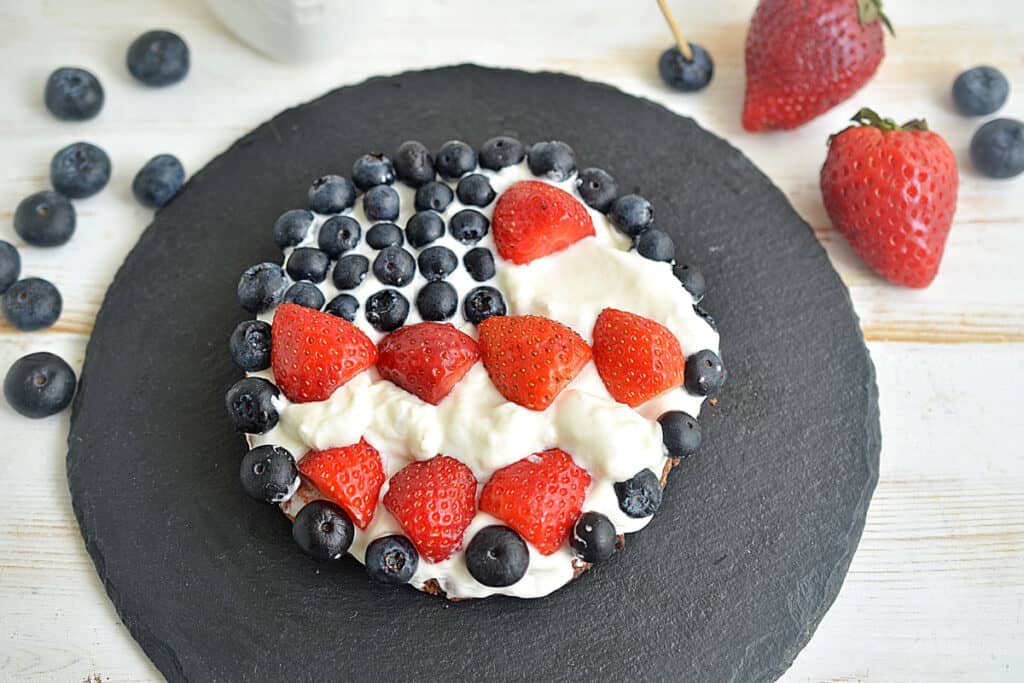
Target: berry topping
{"points": [[384, 235], [482, 303], [680, 433], [323, 531], [426, 359], [454, 160], [268, 474], [32, 304], [10, 265], [392, 559], [437, 263], [434, 196], [339, 234], [686, 73], [597, 188], [250, 404], [343, 306], [73, 94], [980, 91], [350, 476], [469, 226], [394, 266], [387, 310], [370, 170], [692, 280], [705, 373], [533, 219], [45, 219], [262, 287], [39, 385], [305, 294], [500, 152], [250, 345], [997, 149], [656, 245], [331, 194], [292, 227], [350, 271], [640, 495], [308, 263], [475, 190], [79, 170], [631, 214], [593, 537], [437, 301], [424, 227], [158, 58], [381, 203], [551, 160], [413, 164], [479, 262], [497, 556], [636, 357]]}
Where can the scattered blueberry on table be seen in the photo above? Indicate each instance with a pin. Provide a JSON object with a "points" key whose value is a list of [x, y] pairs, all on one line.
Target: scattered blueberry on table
{"points": [[268, 473], [158, 58], [593, 537], [73, 94], [997, 148], [45, 219], [686, 75], [980, 91], [640, 495], [31, 304], [10, 265], [391, 559], [39, 385], [323, 530], [497, 556], [79, 170], [158, 180]]}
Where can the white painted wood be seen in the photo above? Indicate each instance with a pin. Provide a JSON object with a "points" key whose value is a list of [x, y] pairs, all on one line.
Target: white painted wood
{"points": [[936, 591]]}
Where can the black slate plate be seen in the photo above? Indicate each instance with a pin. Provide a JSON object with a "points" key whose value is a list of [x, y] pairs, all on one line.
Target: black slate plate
{"points": [[727, 583]]}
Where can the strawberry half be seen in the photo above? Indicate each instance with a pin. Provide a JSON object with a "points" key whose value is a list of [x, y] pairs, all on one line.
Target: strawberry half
{"points": [[539, 496], [434, 501], [530, 359], [533, 219], [636, 357], [426, 359], [314, 353], [349, 476]]}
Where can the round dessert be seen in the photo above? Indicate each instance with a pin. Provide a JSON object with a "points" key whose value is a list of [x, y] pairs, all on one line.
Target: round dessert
{"points": [[481, 362]]}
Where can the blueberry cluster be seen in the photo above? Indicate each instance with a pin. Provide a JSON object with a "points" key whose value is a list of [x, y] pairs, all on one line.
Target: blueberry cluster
{"points": [[997, 147]]}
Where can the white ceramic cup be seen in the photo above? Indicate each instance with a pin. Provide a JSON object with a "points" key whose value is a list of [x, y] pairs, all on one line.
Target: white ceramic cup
{"points": [[286, 30]]}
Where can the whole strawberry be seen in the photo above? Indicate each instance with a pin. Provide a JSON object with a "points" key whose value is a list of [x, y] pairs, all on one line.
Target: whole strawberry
{"points": [[891, 191], [804, 57]]}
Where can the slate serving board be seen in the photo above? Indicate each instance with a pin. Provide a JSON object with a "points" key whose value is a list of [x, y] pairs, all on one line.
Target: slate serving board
{"points": [[727, 583]]}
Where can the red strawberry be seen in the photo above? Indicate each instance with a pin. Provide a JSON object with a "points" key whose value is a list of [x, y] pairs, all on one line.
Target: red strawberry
{"points": [[636, 357], [349, 476], [539, 496], [891, 191], [531, 359], [434, 501], [313, 353], [806, 56], [534, 219], [426, 359]]}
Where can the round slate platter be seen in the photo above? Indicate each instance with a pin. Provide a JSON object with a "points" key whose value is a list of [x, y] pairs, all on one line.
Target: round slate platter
{"points": [[727, 583]]}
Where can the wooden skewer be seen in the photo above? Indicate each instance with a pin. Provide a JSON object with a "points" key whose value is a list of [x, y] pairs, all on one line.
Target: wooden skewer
{"points": [[681, 43]]}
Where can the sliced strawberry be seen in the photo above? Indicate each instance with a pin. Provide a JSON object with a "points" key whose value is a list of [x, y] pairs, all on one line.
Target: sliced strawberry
{"points": [[534, 219], [539, 496], [531, 359], [426, 359], [350, 476], [313, 353], [636, 357], [434, 501]]}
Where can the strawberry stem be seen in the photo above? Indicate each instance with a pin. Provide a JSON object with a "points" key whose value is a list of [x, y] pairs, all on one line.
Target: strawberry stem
{"points": [[681, 42], [870, 11], [869, 117]]}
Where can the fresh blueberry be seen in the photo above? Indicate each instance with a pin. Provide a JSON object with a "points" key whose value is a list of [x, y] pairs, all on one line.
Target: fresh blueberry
{"points": [[687, 75], [593, 537], [158, 58], [250, 405], [339, 234], [261, 287], [371, 170], [39, 385], [423, 228], [640, 495], [394, 266], [433, 195], [997, 149], [699, 310], [380, 203], [250, 345], [387, 310], [500, 152], [384, 235], [292, 227], [704, 373], [158, 180], [454, 159], [32, 304], [692, 280], [631, 214], [350, 271], [414, 165], [479, 263], [497, 556], [308, 263], [343, 306], [656, 245], [391, 559], [10, 265], [305, 294], [680, 433], [323, 531], [268, 473], [475, 190], [469, 226], [79, 170], [597, 188], [437, 301], [73, 94], [331, 194], [45, 219], [980, 91], [481, 303], [437, 263], [553, 160]]}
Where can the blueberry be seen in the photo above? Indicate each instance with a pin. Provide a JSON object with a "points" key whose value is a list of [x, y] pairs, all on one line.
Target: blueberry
{"points": [[381, 203], [339, 234], [261, 287], [597, 188], [292, 227], [692, 280], [305, 294], [437, 263], [350, 271], [497, 556], [371, 170], [331, 194], [343, 306], [475, 190], [323, 531], [10, 265], [250, 345], [500, 152], [79, 170], [433, 195], [980, 91], [454, 159], [73, 94], [384, 235], [469, 226], [413, 164], [394, 266], [32, 304], [387, 310], [656, 245], [631, 214], [158, 180], [593, 537], [553, 160], [45, 219], [687, 75], [250, 405], [391, 559], [706, 316], [997, 149], [481, 303], [308, 263], [639, 496], [479, 263], [158, 58], [704, 373], [437, 301], [423, 228], [268, 473], [680, 433], [39, 385]]}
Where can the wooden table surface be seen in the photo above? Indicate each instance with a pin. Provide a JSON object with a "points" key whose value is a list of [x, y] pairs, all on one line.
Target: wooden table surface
{"points": [[936, 590]]}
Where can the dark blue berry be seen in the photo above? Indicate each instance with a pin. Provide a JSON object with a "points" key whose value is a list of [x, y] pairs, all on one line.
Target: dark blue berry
{"points": [[437, 301], [343, 306], [497, 556], [704, 373], [479, 263], [454, 159], [391, 559], [631, 214], [305, 294], [469, 226], [593, 537], [680, 433], [597, 188], [79, 170], [331, 194], [158, 180], [39, 385], [553, 160], [371, 170], [380, 203], [394, 266], [250, 405], [640, 495], [350, 271], [980, 91], [501, 152], [32, 304], [656, 245], [423, 228], [292, 227], [384, 235], [437, 263], [261, 287], [997, 149], [387, 310], [692, 280], [687, 75], [308, 263], [413, 163], [706, 316], [481, 303], [73, 94], [475, 190], [433, 195], [323, 531], [10, 265], [339, 234], [45, 219], [158, 58], [268, 474], [250, 345]]}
